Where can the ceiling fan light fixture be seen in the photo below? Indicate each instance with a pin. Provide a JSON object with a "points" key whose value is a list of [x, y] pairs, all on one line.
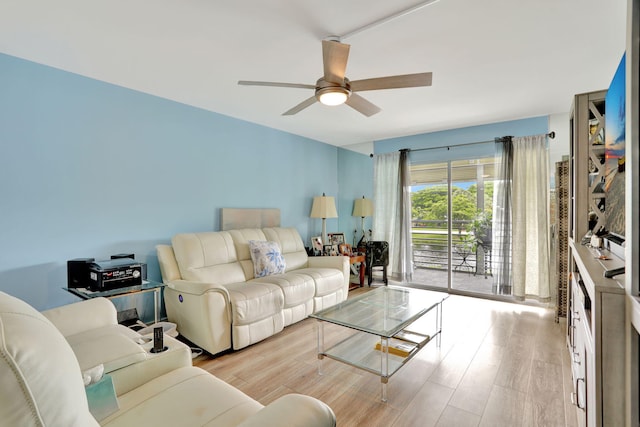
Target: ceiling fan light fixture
{"points": [[333, 95]]}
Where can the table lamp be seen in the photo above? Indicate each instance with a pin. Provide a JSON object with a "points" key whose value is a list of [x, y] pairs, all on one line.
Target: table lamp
{"points": [[324, 207], [362, 208]]}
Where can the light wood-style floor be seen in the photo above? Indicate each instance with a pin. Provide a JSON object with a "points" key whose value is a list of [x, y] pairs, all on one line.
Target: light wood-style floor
{"points": [[499, 364]]}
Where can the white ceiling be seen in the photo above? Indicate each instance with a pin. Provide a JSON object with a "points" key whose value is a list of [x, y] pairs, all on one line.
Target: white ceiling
{"points": [[492, 60]]}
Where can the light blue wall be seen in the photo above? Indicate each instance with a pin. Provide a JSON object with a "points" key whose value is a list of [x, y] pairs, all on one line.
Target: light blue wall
{"points": [[448, 139], [89, 169], [355, 180]]}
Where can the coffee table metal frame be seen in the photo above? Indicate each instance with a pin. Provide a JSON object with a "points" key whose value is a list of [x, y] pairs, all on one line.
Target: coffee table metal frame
{"points": [[378, 317]]}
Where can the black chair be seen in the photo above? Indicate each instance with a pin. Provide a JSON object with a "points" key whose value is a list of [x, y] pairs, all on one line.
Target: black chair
{"points": [[377, 255]]}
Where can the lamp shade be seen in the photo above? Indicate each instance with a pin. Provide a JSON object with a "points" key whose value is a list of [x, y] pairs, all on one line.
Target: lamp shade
{"points": [[362, 207], [324, 207]]}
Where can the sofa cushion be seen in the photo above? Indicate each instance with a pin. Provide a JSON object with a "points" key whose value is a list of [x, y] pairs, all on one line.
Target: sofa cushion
{"points": [[291, 245], [114, 351], [208, 257], [97, 332], [95, 313], [296, 288], [241, 239], [41, 380], [185, 396], [266, 257], [327, 280], [251, 302], [167, 261]]}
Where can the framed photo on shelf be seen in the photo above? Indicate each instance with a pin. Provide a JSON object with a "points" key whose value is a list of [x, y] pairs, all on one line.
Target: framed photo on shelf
{"points": [[336, 238], [316, 245]]}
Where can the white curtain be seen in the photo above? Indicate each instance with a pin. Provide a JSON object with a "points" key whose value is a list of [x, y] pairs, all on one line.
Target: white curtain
{"points": [[392, 210], [530, 197]]}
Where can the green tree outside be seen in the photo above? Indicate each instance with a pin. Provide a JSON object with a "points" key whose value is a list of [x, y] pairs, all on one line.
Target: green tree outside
{"points": [[430, 203]]}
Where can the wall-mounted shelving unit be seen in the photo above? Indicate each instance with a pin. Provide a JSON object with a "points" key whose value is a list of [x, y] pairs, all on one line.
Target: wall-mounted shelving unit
{"points": [[587, 164]]}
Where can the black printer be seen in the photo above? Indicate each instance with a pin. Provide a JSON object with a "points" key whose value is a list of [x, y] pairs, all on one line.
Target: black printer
{"points": [[115, 273]]}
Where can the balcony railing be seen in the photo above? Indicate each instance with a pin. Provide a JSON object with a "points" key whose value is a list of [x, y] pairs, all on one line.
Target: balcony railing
{"points": [[430, 246]]}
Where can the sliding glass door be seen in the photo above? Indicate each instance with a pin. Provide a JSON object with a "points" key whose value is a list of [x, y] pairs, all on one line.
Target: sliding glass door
{"points": [[430, 231], [452, 211]]}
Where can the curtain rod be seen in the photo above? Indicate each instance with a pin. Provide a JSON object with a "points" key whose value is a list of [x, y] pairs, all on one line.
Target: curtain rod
{"points": [[551, 135]]}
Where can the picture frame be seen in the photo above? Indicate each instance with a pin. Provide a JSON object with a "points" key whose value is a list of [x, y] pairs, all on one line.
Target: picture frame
{"points": [[316, 245], [336, 238], [330, 250], [344, 249]]}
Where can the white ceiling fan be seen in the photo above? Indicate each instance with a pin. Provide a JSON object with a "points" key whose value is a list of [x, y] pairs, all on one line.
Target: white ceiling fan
{"points": [[334, 88]]}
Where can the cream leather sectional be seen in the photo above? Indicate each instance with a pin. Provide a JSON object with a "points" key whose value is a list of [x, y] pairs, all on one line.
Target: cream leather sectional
{"points": [[213, 296], [42, 378], [91, 328]]}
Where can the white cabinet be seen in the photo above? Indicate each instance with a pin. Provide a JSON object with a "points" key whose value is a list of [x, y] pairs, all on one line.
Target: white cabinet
{"points": [[582, 357], [596, 340]]}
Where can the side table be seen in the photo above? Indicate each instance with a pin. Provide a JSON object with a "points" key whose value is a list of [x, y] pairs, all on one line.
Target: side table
{"points": [[146, 286]]}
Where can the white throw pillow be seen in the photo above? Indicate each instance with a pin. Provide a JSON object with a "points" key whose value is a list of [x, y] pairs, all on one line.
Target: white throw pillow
{"points": [[267, 258]]}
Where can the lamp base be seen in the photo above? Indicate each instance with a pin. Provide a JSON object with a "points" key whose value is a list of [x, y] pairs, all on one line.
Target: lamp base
{"points": [[324, 231], [363, 239], [362, 242]]}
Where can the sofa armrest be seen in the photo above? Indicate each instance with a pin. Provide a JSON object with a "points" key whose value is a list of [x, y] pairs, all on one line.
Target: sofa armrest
{"points": [[83, 316], [293, 410], [339, 262], [197, 288], [202, 312], [201, 288]]}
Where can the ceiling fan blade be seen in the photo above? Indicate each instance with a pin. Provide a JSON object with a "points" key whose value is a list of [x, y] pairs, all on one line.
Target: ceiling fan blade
{"points": [[334, 59], [361, 105], [393, 82], [293, 85], [304, 104]]}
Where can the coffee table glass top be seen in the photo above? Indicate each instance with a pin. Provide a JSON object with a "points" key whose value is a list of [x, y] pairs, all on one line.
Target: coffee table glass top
{"points": [[384, 311]]}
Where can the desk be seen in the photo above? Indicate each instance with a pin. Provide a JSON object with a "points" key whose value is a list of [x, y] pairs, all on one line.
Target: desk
{"points": [[353, 260], [146, 286]]}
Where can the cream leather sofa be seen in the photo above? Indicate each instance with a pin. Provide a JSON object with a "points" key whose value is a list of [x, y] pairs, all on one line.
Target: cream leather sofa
{"points": [[41, 385], [91, 328], [213, 296]]}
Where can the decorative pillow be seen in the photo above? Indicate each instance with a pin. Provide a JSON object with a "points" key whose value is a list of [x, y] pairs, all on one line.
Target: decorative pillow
{"points": [[267, 258]]}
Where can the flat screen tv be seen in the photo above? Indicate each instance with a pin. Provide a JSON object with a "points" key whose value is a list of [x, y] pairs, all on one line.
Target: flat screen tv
{"points": [[614, 153]]}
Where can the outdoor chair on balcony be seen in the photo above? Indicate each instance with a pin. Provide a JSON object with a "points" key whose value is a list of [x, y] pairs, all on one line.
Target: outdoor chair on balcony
{"points": [[463, 251], [377, 256]]}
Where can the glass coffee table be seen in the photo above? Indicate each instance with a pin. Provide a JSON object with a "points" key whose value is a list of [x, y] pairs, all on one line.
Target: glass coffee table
{"points": [[390, 325]]}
